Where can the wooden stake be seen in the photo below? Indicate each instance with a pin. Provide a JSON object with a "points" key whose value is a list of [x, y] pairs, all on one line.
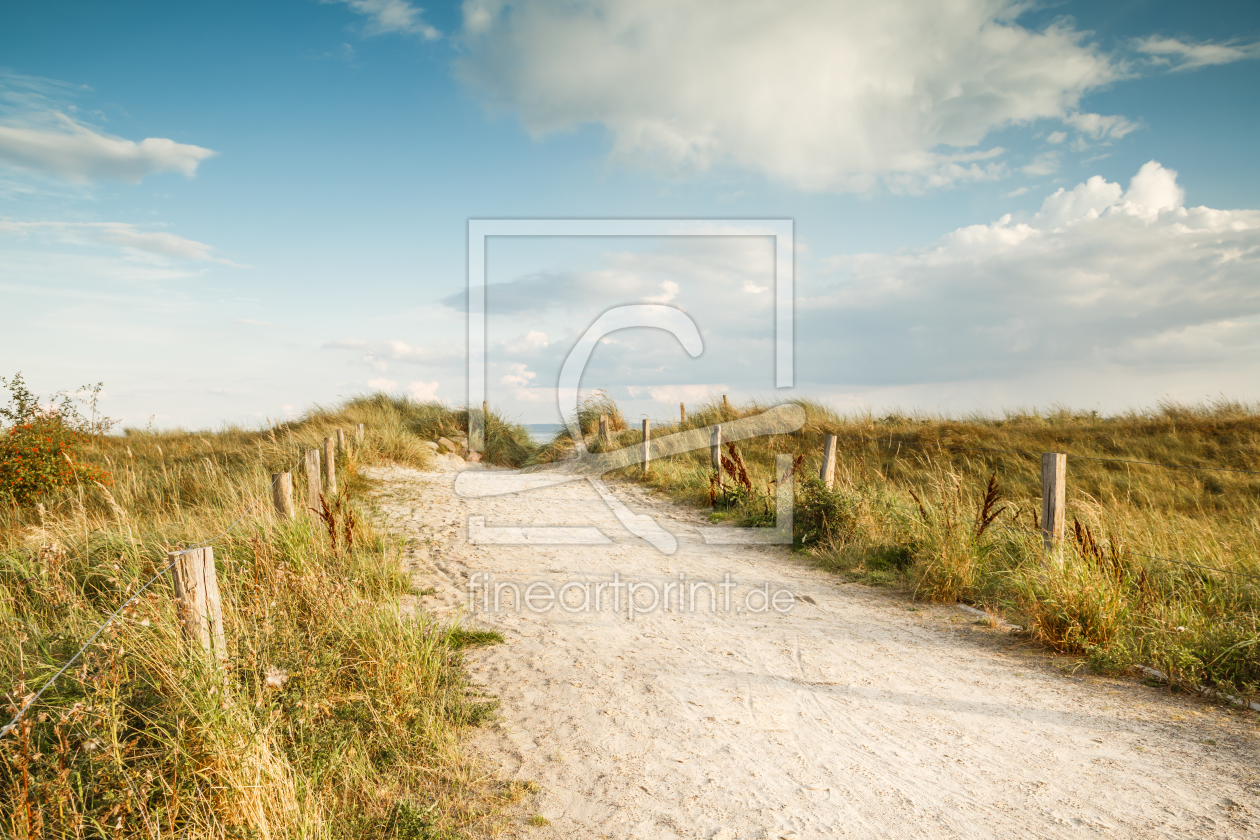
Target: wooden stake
{"points": [[358, 434], [828, 471], [330, 466], [682, 414], [715, 447], [197, 599], [313, 489], [282, 494], [604, 435], [647, 444], [1053, 497], [726, 406], [341, 441]]}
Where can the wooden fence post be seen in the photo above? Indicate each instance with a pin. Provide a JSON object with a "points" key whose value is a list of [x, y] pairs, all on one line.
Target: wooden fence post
{"points": [[715, 447], [330, 466], [726, 406], [197, 599], [682, 414], [647, 444], [313, 489], [605, 436], [282, 494], [485, 410], [358, 434], [1053, 497], [828, 471], [341, 441]]}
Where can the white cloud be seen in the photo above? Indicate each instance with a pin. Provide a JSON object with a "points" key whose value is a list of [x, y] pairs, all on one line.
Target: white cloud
{"points": [[392, 16], [76, 152], [382, 384], [1187, 56], [1087, 199], [399, 351], [1154, 189], [519, 376], [669, 291], [693, 394], [1106, 282], [753, 289], [1056, 137], [123, 234], [423, 391], [826, 95], [250, 322], [1100, 127]]}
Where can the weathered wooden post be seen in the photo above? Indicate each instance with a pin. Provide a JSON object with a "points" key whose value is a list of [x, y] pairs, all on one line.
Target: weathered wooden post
{"points": [[682, 414], [341, 441], [647, 444], [726, 406], [330, 466], [604, 436], [828, 471], [1053, 497], [358, 434], [282, 494], [197, 599], [715, 447], [313, 489]]}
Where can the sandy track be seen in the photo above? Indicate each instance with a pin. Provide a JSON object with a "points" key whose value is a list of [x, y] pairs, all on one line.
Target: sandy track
{"points": [[857, 715]]}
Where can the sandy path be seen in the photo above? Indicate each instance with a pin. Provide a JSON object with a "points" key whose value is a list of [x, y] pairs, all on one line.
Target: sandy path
{"points": [[857, 715]]}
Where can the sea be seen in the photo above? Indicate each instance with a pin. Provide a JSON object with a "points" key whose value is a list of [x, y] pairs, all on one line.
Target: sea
{"points": [[543, 432]]}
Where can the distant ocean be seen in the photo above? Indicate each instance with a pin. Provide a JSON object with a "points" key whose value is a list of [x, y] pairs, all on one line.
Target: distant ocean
{"points": [[543, 432]]}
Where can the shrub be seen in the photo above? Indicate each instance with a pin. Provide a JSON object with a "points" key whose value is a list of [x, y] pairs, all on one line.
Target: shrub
{"points": [[39, 451]]}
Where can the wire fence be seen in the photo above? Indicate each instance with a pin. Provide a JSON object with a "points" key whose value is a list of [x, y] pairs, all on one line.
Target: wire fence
{"points": [[891, 441], [32, 699], [939, 445]]}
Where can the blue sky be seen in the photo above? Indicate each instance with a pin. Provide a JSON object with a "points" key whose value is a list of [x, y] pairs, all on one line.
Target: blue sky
{"points": [[229, 212]]}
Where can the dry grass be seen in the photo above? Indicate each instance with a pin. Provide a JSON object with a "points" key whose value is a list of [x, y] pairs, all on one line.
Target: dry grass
{"points": [[335, 717], [913, 493]]}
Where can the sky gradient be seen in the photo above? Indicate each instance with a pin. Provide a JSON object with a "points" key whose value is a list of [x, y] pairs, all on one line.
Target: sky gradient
{"points": [[229, 212]]}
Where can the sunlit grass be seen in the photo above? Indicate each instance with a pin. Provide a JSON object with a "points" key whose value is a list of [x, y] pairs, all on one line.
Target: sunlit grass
{"points": [[335, 717]]}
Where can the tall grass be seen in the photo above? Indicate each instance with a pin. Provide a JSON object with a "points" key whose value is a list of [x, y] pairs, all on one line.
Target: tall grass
{"points": [[335, 717], [913, 493]]}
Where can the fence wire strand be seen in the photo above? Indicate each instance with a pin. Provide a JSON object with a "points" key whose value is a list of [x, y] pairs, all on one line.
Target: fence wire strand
{"points": [[11, 725], [890, 441]]}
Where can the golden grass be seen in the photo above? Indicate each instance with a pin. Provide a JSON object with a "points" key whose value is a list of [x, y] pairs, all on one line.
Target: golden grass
{"points": [[336, 717], [1166, 569]]}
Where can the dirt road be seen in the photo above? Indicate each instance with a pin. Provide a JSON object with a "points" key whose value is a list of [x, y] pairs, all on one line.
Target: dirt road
{"points": [[854, 714]]}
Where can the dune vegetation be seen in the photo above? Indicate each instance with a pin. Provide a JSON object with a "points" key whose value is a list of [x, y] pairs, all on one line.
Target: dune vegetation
{"points": [[1160, 566], [339, 712], [337, 715]]}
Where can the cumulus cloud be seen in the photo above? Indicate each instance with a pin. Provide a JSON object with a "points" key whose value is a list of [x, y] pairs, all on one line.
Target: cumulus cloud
{"points": [[382, 384], [423, 391], [1101, 279], [125, 235], [76, 152], [392, 16], [828, 95], [1182, 55]]}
